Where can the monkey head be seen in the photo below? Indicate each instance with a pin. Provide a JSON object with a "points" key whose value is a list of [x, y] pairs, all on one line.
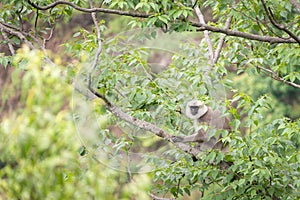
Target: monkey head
{"points": [[195, 109]]}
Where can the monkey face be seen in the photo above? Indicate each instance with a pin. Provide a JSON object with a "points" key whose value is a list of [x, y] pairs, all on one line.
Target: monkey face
{"points": [[194, 110]]}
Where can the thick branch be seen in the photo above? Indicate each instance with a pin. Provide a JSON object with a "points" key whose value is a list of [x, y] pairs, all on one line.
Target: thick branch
{"points": [[275, 76], [152, 128], [278, 26], [201, 27], [91, 94], [89, 10], [269, 39], [141, 124]]}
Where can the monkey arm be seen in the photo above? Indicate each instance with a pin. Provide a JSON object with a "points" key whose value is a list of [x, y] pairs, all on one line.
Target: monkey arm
{"points": [[200, 137]]}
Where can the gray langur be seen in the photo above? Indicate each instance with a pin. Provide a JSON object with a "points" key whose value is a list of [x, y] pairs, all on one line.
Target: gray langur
{"points": [[201, 113], [194, 110]]}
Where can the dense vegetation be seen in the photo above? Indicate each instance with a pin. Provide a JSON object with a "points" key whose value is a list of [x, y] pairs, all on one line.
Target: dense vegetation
{"points": [[97, 90]]}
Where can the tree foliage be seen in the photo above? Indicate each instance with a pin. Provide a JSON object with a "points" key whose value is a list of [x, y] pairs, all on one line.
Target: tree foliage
{"points": [[41, 154], [245, 65]]}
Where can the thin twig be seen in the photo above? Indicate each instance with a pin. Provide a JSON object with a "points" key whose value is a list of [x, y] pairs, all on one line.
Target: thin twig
{"points": [[259, 22], [260, 27], [10, 46], [50, 35], [178, 186], [20, 18], [52, 28], [35, 22], [249, 17], [275, 76], [128, 166]]}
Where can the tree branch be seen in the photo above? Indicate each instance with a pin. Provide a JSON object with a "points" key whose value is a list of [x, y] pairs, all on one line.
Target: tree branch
{"points": [[296, 4], [22, 35], [99, 49], [221, 42], [154, 197], [17, 33], [269, 39], [116, 111], [278, 26], [18, 12], [275, 76], [201, 27], [205, 32], [10, 46], [50, 35], [89, 10], [124, 116]]}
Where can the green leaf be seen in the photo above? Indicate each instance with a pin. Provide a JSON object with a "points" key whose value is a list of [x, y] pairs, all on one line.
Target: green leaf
{"points": [[76, 34], [163, 18], [211, 156], [187, 190], [151, 21], [139, 5], [242, 182], [185, 13]]}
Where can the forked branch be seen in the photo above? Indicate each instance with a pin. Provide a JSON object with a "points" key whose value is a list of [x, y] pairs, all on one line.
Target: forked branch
{"points": [[276, 24], [206, 34], [10, 46]]}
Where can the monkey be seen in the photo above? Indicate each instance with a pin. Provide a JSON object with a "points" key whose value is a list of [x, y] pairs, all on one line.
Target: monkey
{"points": [[201, 113], [194, 110]]}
